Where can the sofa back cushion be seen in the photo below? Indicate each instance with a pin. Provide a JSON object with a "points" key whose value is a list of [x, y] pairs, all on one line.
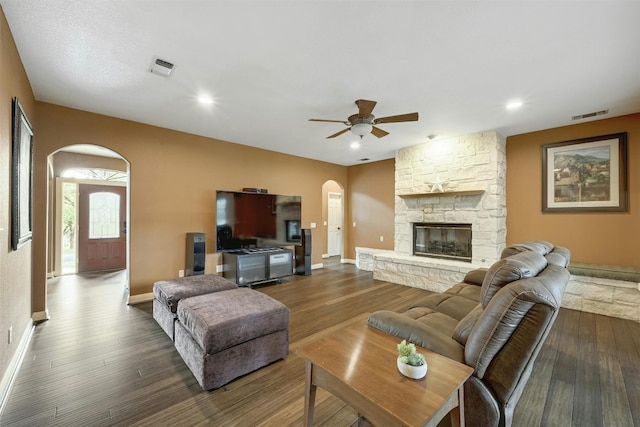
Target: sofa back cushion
{"points": [[539, 246], [507, 336], [519, 266], [464, 327]]}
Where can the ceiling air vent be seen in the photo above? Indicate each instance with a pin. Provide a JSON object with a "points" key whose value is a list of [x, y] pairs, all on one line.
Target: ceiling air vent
{"points": [[161, 67], [589, 115]]}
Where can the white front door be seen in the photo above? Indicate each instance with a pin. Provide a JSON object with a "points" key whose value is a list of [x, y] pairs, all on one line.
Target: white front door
{"points": [[334, 224]]}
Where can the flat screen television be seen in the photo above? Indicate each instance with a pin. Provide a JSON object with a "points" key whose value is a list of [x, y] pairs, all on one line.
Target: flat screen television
{"points": [[257, 220]]}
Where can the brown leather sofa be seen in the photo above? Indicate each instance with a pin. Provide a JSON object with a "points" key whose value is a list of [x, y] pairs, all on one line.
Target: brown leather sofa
{"points": [[495, 321]]}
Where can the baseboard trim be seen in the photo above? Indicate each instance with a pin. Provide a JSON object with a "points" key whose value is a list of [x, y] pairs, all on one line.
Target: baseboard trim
{"points": [[317, 266], [14, 365], [347, 261], [139, 299], [39, 316]]}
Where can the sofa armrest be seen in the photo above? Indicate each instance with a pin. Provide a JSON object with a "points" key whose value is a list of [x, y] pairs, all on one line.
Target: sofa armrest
{"points": [[413, 331], [475, 277]]}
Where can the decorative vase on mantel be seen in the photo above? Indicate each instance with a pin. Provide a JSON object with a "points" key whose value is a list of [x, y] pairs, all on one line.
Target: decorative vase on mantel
{"points": [[415, 372]]}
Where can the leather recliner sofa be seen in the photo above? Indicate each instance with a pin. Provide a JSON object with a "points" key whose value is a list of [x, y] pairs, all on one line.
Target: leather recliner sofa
{"points": [[495, 321]]}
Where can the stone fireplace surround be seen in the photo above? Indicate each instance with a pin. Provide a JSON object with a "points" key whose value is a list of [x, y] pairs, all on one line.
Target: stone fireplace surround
{"points": [[463, 180]]}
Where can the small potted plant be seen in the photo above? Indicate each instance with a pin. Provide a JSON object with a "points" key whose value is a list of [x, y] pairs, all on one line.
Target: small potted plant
{"points": [[410, 362]]}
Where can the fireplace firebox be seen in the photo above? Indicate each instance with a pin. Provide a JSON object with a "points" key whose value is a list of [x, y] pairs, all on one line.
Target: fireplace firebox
{"points": [[442, 240]]}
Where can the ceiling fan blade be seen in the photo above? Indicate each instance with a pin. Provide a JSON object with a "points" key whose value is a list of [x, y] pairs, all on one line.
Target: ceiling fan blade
{"points": [[338, 133], [379, 132], [332, 121], [365, 107], [411, 117]]}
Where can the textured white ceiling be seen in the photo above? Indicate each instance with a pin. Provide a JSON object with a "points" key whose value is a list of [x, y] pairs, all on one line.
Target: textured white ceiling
{"points": [[272, 65]]}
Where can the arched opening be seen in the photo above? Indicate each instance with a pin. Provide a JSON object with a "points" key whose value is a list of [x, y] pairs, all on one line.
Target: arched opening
{"points": [[88, 211], [333, 220]]}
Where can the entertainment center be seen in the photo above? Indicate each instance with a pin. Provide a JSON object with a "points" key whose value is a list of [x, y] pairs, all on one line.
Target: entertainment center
{"points": [[256, 232], [248, 267]]}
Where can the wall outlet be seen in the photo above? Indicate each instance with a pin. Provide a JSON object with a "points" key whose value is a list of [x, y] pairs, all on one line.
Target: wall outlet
{"points": [[382, 238], [180, 273], [312, 225], [219, 268], [354, 223], [10, 337]]}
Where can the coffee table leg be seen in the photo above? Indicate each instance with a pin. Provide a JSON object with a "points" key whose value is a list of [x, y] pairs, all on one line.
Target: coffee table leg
{"points": [[457, 413], [309, 395]]}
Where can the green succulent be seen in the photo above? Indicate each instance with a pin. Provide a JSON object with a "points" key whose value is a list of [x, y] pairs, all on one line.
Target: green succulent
{"points": [[408, 354]]}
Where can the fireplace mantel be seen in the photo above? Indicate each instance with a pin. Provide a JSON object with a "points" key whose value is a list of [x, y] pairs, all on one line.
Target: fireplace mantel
{"points": [[443, 194]]}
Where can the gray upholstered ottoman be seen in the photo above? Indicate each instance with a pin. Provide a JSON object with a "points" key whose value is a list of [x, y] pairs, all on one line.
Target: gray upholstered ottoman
{"points": [[167, 294], [227, 334]]}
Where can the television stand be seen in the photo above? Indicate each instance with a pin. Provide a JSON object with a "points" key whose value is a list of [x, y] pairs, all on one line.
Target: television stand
{"points": [[248, 267]]}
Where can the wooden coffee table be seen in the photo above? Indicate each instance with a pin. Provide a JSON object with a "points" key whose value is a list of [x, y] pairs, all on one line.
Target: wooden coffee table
{"points": [[358, 365]]}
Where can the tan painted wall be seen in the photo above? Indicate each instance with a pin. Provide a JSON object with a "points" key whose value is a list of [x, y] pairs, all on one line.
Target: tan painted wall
{"points": [[173, 179], [15, 266], [371, 196], [600, 238]]}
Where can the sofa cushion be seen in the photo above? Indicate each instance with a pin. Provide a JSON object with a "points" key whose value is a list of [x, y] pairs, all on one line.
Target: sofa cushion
{"points": [[450, 304], [539, 246], [519, 266], [170, 292], [432, 318], [475, 277], [559, 256], [464, 327]]}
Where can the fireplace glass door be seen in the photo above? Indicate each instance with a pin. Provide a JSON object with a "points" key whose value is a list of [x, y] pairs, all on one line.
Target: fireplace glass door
{"points": [[441, 240]]}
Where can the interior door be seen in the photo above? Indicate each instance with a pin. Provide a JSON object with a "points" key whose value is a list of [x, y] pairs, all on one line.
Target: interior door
{"points": [[334, 224], [102, 227]]}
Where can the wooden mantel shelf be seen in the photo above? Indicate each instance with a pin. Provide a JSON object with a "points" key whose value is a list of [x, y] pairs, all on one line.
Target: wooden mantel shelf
{"points": [[444, 194]]}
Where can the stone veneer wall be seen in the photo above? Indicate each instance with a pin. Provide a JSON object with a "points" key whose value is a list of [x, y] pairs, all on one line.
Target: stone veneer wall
{"points": [[466, 163]]}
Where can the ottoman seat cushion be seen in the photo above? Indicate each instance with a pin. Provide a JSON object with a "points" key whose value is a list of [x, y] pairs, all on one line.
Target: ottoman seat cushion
{"points": [[224, 319], [170, 292], [227, 334]]}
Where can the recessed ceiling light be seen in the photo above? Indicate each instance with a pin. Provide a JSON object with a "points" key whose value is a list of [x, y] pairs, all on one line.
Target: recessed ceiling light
{"points": [[205, 100], [514, 105], [365, 159]]}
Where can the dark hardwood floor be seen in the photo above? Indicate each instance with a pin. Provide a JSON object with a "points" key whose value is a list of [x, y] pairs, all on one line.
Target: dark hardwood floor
{"points": [[99, 362]]}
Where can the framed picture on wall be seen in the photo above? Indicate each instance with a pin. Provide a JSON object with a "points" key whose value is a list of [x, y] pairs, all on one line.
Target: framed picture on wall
{"points": [[585, 175], [21, 178]]}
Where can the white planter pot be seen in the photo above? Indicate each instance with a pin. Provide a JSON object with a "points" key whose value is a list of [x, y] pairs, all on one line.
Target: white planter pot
{"points": [[415, 372]]}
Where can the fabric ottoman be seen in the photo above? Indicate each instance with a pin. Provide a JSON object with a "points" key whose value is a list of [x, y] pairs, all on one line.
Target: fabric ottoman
{"points": [[227, 334], [167, 294]]}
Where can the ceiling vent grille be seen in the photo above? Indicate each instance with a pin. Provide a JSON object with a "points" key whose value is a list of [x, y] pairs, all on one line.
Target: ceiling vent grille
{"points": [[161, 67], [589, 115]]}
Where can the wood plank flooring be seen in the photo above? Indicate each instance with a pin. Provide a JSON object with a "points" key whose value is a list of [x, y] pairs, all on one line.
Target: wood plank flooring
{"points": [[99, 362]]}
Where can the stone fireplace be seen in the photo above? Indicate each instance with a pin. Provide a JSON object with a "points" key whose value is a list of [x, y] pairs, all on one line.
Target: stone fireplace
{"points": [[458, 180], [446, 181]]}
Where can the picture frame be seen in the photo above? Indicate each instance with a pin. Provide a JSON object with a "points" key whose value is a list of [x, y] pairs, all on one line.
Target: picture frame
{"points": [[21, 177], [585, 175]]}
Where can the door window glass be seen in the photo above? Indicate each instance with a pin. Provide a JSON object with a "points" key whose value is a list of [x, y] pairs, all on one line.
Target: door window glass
{"points": [[104, 215]]}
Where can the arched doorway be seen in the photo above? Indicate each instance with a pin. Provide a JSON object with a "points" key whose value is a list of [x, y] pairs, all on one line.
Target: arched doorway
{"points": [[88, 211], [333, 219]]}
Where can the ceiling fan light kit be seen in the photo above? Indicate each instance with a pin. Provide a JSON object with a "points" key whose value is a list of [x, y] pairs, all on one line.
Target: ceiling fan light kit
{"points": [[364, 122], [361, 129]]}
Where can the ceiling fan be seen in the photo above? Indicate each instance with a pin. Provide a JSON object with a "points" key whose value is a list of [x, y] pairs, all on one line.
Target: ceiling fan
{"points": [[363, 122]]}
